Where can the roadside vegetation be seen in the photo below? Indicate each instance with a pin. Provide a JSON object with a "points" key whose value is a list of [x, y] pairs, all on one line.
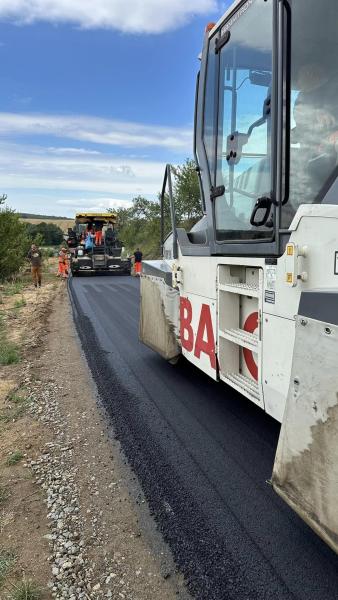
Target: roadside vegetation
{"points": [[14, 458], [139, 225], [49, 233], [23, 311], [9, 353], [14, 241], [16, 236], [24, 590], [7, 560]]}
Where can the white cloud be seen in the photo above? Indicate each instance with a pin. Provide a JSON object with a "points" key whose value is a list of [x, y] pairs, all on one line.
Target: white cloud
{"points": [[93, 204], [96, 130], [129, 16], [69, 150], [32, 168]]}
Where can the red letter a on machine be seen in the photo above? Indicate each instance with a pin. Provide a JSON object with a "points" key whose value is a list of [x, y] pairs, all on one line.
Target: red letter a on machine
{"points": [[205, 345]]}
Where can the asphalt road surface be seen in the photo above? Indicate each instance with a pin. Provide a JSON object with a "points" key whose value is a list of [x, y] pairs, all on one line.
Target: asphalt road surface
{"points": [[203, 455]]}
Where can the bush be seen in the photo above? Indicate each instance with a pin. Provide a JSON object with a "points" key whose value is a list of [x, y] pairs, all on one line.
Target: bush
{"points": [[49, 252], [14, 243], [14, 458]]}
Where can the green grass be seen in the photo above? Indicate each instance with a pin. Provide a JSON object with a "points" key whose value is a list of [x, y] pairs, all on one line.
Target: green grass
{"points": [[14, 458], [16, 408], [4, 495], [25, 590], [7, 560], [20, 303], [9, 353], [11, 289]]}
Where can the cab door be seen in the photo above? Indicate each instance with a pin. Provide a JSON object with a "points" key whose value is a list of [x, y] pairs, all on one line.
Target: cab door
{"points": [[239, 133]]}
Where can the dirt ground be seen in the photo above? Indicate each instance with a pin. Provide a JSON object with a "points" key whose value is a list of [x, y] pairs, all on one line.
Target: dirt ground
{"points": [[57, 450]]}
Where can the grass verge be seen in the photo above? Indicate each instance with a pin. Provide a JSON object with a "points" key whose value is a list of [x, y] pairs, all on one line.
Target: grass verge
{"points": [[20, 303], [14, 458], [4, 494], [9, 353], [11, 289], [25, 590], [15, 408], [7, 560]]}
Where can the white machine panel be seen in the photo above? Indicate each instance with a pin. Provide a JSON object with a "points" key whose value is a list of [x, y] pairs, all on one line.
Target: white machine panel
{"points": [[277, 351]]}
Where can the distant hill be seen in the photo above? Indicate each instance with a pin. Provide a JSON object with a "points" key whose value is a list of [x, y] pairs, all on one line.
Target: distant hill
{"points": [[61, 222], [29, 216]]}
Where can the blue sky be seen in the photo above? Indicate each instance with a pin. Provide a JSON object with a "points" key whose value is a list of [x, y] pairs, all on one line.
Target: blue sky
{"points": [[96, 96]]}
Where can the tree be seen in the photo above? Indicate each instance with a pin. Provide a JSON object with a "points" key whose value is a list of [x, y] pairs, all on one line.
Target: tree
{"points": [[186, 193], [49, 233], [140, 225], [14, 242]]}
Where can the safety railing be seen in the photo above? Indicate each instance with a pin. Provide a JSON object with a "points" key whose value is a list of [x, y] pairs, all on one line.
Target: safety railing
{"points": [[167, 181]]}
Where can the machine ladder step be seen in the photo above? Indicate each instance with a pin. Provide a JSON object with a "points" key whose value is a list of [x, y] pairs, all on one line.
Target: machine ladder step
{"points": [[241, 338], [245, 289], [244, 385]]}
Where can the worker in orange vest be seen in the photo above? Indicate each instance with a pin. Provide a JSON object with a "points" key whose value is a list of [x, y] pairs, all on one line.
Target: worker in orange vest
{"points": [[63, 264], [137, 262], [98, 234]]}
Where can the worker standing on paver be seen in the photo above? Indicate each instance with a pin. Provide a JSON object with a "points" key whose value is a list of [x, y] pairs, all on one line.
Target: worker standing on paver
{"points": [[89, 241], [98, 233], [35, 258], [137, 261]]}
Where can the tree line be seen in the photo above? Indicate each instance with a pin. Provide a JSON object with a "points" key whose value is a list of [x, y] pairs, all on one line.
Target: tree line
{"points": [[17, 236], [138, 225]]}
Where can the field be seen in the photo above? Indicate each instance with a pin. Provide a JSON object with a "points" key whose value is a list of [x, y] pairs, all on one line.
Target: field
{"points": [[62, 223]]}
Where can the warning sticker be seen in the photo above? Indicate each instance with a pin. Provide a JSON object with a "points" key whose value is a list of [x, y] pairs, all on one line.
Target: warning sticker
{"points": [[271, 276], [270, 296]]}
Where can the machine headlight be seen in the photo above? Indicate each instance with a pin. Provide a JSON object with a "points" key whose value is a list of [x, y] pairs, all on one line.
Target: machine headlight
{"points": [[80, 252]]}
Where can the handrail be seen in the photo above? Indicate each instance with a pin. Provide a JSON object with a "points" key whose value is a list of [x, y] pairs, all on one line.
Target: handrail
{"points": [[167, 180]]}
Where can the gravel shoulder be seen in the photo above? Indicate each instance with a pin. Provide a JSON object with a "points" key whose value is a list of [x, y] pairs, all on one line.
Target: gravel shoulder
{"points": [[72, 515]]}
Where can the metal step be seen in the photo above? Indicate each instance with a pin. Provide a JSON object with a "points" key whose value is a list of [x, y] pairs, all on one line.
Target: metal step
{"points": [[244, 385], [99, 261], [245, 289], [241, 337]]}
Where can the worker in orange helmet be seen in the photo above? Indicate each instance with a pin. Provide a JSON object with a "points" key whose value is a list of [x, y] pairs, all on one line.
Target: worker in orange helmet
{"points": [[63, 264]]}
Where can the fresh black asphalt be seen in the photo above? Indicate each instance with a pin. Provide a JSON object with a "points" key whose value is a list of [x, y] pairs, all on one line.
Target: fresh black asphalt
{"points": [[203, 456]]}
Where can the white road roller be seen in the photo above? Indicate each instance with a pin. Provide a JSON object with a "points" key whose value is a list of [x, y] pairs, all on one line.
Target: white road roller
{"points": [[250, 294]]}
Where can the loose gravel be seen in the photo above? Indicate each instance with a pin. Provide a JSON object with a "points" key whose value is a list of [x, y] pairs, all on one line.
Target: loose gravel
{"points": [[72, 575]]}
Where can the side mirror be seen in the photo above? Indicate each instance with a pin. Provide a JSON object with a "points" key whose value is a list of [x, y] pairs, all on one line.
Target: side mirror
{"points": [[235, 143], [261, 211], [262, 78]]}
